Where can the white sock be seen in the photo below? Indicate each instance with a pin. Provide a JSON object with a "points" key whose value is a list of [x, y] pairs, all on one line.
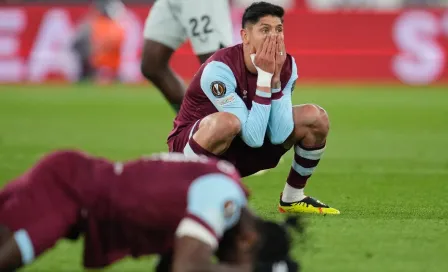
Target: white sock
{"points": [[291, 194]]}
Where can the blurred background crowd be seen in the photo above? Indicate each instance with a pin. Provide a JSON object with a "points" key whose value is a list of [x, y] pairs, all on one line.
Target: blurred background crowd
{"points": [[385, 40], [318, 4]]}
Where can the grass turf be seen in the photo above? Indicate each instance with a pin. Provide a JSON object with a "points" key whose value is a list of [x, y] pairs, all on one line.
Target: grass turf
{"points": [[385, 167]]}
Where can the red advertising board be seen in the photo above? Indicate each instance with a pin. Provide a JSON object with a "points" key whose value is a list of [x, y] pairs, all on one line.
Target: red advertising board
{"points": [[409, 46]]}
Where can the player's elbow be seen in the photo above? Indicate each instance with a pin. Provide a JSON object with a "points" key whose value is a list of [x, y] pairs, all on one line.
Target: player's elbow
{"points": [[279, 134], [253, 136], [256, 144], [280, 138], [254, 141]]}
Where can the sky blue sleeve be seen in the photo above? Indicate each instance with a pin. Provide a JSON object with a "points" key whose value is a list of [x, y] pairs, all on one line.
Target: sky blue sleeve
{"points": [[219, 84], [216, 200], [281, 123]]}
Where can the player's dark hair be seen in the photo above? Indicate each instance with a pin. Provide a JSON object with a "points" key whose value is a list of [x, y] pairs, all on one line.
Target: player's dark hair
{"points": [[276, 239], [258, 10], [274, 249]]}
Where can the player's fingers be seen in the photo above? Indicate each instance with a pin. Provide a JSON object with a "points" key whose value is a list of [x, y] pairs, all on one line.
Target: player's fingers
{"points": [[263, 45], [266, 44], [279, 48], [282, 43], [272, 46]]}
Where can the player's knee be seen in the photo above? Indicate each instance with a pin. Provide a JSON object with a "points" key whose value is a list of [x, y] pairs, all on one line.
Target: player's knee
{"points": [[148, 68], [314, 117], [222, 124]]}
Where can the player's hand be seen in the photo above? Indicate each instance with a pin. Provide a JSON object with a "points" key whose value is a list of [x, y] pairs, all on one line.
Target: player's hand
{"points": [[264, 62], [280, 58], [265, 57]]}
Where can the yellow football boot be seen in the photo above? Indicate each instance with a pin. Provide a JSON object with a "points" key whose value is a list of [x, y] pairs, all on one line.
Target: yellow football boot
{"points": [[306, 205]]}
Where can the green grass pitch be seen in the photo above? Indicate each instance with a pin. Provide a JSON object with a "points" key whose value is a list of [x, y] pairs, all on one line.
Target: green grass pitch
{"points": [[385, 168]]}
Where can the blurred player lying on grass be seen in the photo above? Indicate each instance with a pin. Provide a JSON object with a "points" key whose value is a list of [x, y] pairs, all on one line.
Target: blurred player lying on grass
{"points": [[238, 107], [168, 204]]}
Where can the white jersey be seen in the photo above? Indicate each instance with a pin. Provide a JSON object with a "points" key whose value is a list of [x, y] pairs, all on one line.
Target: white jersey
{"points": [[207, 23]]}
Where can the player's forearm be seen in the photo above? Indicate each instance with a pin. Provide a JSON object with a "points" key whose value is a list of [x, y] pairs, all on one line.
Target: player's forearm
{"points": [[281, 123], [276, 83], [253, 131]]}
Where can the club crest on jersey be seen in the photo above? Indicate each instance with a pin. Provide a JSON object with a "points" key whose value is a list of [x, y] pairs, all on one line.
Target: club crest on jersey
{"points": [[229, 209], [218, 88]]}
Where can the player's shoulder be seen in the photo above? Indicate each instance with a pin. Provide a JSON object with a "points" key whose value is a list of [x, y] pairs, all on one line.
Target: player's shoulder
{"points": [[219, 74], [225, 64], [229, 57], [289, 64], [228, 54]]}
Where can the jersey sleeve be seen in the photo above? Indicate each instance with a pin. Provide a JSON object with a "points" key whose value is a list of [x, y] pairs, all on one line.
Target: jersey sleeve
{"points": [[281, 123], [214, 205], [219, 85]]}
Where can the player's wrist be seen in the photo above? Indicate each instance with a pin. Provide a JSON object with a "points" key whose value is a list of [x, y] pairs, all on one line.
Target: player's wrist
{"points": [[263, 95], [261, 89], [264, 78], [275, 83]]}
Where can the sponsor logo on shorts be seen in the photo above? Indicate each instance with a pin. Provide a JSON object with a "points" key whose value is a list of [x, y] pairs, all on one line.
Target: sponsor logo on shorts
{"points": [[218, 88]]}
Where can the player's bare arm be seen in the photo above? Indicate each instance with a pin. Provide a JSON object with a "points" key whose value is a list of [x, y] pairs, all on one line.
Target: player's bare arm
{"points": [[238, 249], [10, 256], [194, 255]]}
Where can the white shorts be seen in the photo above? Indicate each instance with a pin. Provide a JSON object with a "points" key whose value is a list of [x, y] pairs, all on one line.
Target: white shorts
{"points": [[207, 23]]}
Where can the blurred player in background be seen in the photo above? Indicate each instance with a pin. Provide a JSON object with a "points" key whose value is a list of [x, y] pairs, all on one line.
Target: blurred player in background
{"points": [[166, 203], [206, 23], [98, 41], [238, 107]]}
